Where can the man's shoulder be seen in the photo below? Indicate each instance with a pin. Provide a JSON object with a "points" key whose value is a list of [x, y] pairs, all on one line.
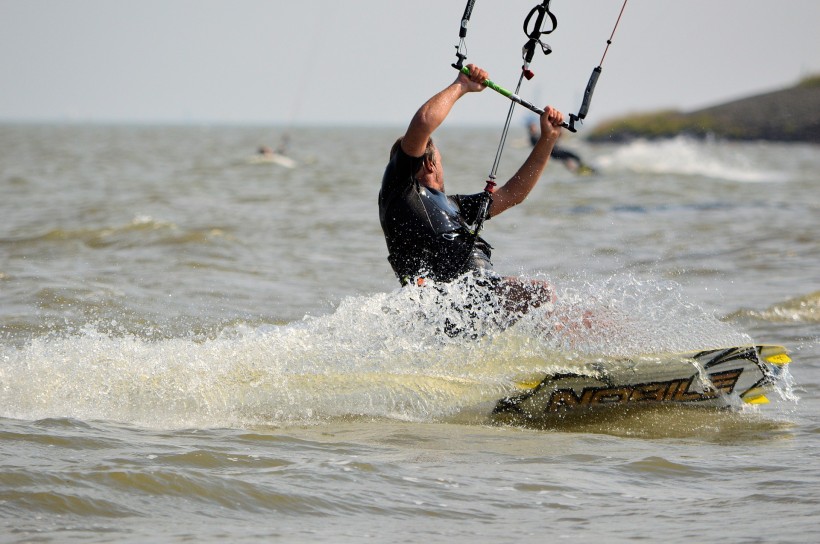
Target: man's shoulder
{"points": [[470, 205], [398, 173], [402, 159], [468, 199]]}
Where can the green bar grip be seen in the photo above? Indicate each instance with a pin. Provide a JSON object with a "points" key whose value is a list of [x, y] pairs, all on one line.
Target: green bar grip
{"points": [[533, 108], [504, 92]]}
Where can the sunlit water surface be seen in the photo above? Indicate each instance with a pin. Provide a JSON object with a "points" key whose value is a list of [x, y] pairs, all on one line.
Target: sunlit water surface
{"points": [[199, 346]]}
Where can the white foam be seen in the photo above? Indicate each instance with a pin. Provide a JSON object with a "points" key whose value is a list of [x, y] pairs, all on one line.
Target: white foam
{"points": [[691, 157]]}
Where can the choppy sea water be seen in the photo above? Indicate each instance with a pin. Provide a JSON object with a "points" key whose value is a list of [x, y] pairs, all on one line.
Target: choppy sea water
{"points": [[200, 346]]}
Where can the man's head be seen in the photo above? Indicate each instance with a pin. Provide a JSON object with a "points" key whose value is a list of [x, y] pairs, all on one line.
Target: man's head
{"points": [[430, 173]]}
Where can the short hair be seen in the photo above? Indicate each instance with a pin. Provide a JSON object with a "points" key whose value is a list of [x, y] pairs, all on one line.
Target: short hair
{"points": [[429, 150]]}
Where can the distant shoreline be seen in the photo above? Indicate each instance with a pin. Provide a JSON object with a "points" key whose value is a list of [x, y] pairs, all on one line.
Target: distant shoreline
{"points": [[787, 115]]}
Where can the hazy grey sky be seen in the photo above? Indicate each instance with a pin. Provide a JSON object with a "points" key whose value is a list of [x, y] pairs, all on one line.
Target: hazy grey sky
{"points": [[376, 61]]}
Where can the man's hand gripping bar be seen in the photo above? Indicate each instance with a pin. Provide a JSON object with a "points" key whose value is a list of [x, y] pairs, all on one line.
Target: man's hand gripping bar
{"points": [[535, 109]]}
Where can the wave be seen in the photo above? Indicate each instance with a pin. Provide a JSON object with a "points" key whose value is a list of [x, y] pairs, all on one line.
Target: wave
{"points": [[141, 230], [802, 309], [686, 156]]}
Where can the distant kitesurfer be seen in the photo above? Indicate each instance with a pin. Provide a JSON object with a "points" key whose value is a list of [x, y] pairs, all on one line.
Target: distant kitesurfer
{"points": [[267, 155], [427, 231], [573, 162]]}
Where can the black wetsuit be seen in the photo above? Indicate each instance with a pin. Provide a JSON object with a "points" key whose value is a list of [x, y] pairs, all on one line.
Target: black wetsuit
{"points": [[564, 155], [427, 232]]}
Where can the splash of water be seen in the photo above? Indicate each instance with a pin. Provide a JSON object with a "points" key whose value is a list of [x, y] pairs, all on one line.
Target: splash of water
{"points": [[412, 354]]}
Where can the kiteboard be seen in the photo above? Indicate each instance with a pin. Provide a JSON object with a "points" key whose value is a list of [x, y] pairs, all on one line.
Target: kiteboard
{"points": [[714, 378]]}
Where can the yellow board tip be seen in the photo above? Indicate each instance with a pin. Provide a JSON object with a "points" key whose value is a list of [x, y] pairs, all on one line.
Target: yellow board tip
{"points": [[778, 359]]}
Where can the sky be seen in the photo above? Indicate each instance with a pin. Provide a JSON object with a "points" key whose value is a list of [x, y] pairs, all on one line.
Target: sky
{"points": [[374, 62]]}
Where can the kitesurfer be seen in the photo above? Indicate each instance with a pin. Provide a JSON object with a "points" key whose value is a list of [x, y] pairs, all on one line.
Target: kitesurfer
{"points": [[428, 232], [571, 160]]}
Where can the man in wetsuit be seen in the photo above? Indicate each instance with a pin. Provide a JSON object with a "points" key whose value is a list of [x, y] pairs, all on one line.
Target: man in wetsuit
{"points": [[427, 232]]}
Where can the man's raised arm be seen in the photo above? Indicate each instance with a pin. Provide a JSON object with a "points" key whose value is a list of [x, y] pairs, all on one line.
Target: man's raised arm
{"points": [[519, 186], [428, 118]]}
